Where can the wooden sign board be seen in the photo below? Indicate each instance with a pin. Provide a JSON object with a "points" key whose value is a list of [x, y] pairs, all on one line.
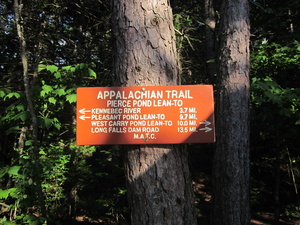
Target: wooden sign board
{"points": [[145, 115]]}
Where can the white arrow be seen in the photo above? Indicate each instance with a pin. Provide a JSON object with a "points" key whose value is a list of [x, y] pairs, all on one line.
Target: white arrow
{"points": [[206, 129], [83, 117], [83, 111], [206, 123]]}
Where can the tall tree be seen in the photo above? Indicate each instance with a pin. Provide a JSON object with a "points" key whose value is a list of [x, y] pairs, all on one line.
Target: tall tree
{"points": [[34, 123], [158, 179], [210, 38], [231, 175]]}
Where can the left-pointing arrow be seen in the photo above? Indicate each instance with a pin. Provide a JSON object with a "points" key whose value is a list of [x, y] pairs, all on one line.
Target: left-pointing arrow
{"points": [[83, 111], [83, 117]]}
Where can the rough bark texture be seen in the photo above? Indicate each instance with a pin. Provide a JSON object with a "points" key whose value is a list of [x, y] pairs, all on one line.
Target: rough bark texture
{"points": [[159, 188], [145, 43], [231, 176], [158, 179]]}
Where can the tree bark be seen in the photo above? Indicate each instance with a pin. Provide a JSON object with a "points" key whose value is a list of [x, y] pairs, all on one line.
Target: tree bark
{"points": [[158, 179], [144, 43], [231, 175], [35, 156], [159, 187], [210, 39]]}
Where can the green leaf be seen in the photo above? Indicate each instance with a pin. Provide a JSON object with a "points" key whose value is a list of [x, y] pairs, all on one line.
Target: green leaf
{"points": [[71, 98], [122, 191], [82, 66], [28, 143], [92, 73], [52, 68], [52, 100], [4, 194], [22, 115], [60, 92], [12, 94], [56, 123], [9, 192], [211, 61], [41, 67], [47, 122], [177, 15], [20, 107], [14, 170], [47, 88], [43, 93], [13, 192], [3, 92], [66, 68], [12, 130], [57, 75], [265, 41], [3, 172]]}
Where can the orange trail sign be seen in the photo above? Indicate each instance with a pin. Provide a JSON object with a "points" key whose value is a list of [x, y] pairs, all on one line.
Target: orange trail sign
{"points": [[145, 115]]}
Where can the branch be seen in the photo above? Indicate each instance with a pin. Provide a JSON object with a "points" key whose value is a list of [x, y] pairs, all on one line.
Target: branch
{"points": [[187, 38]]}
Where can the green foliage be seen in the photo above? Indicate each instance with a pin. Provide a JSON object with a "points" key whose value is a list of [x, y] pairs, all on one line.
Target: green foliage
{"points": [[189, 41], [270, 59], [293, 211], [275, 118], [65, 166], [61, 36], [58, 89], [286, 100], [272, 85], [54, 160]]}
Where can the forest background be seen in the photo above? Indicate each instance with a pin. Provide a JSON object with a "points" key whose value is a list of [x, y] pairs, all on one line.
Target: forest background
{"points": [[69, 44]]}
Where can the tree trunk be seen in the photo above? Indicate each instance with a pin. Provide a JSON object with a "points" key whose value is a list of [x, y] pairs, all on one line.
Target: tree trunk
{"points": [[159, 188], [35, 156], [210, 39], [231, 175], [158, 179]]}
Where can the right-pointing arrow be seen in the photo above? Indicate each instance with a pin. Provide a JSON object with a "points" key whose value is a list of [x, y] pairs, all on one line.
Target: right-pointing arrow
{"points": [[206, 129], [206, 123]]}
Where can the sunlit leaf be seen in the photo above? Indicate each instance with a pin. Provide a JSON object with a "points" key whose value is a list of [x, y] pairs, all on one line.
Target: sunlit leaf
{"points": [[47, 88], [14, 170], [52, 68], [92, 73], [4, 194], [60, 92], [13, 94], [66, 68], [41, 67], [71, 98], [56, 123], [52, 100], [57, 75], [28, 143]]}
